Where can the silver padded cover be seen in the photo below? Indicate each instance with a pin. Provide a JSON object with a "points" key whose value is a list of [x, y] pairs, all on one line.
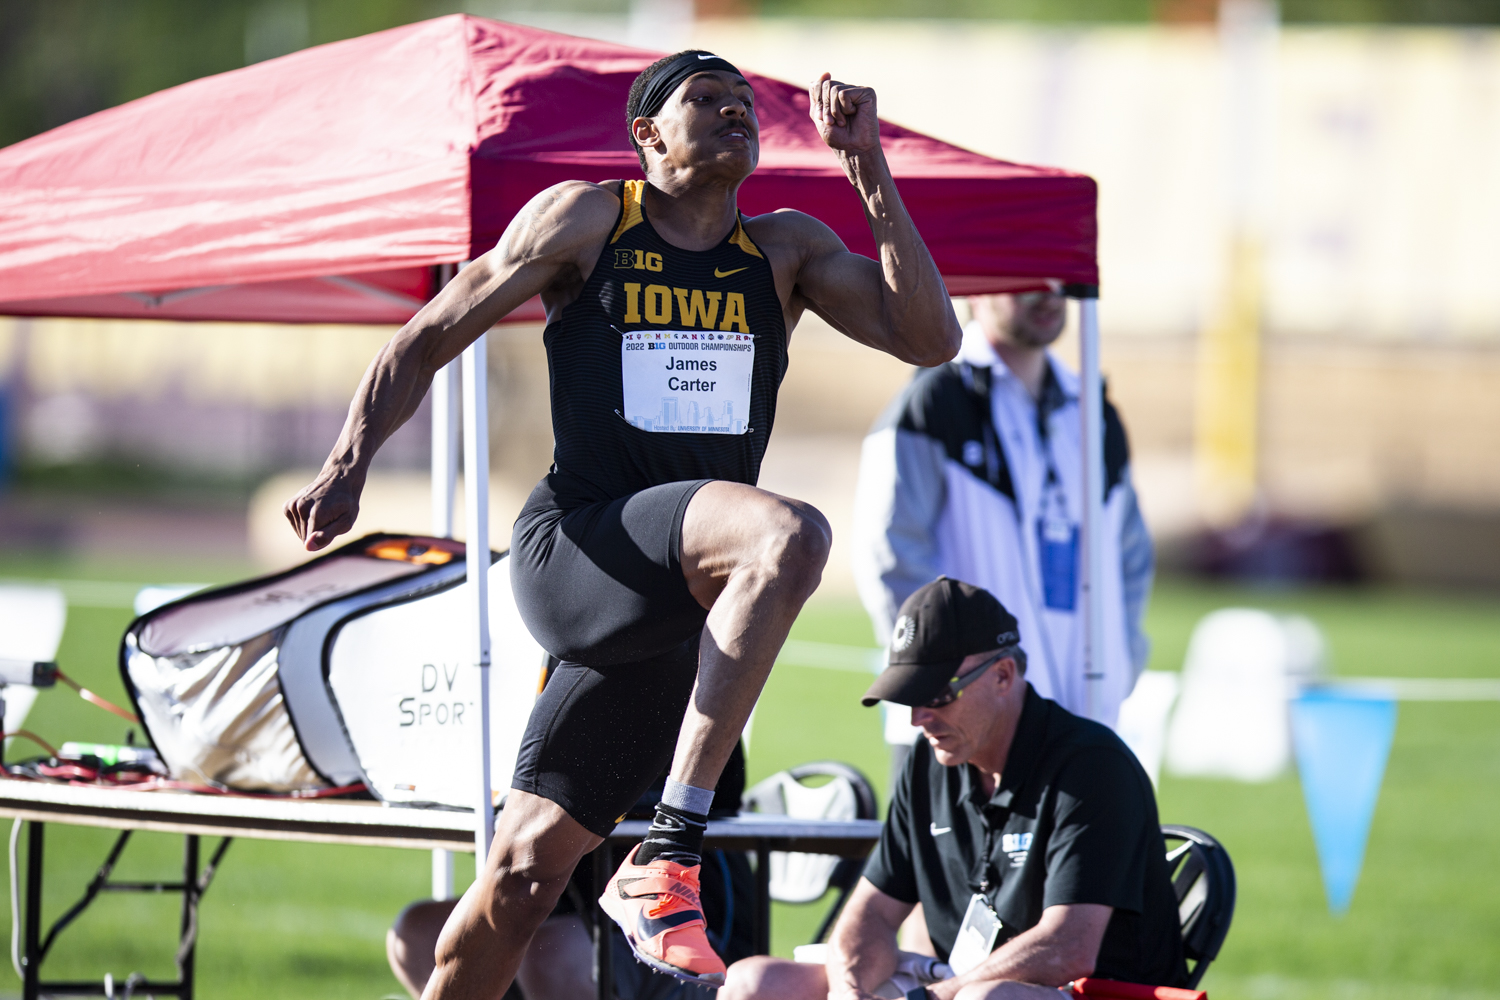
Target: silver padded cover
{"points": [[303, 677]]}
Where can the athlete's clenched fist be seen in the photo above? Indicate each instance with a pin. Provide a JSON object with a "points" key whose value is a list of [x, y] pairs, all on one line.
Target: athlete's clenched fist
{"points": [[325, 509], [844, 115]]}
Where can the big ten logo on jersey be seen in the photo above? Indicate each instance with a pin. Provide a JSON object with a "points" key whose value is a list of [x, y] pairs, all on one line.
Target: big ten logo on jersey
{"points": [[693, 307], [641, 260], [436, 705], [1017, 845]]}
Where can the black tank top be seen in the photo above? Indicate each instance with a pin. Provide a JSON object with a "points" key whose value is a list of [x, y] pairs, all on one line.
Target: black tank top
{"points": [[666, 368]]}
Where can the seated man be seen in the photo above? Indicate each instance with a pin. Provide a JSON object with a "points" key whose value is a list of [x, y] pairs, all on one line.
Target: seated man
{"points": [[1029, 835]]}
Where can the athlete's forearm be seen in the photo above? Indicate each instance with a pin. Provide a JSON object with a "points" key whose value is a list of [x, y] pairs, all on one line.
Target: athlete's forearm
{"points": [[914, 301], [389, 393], [398, 378]]}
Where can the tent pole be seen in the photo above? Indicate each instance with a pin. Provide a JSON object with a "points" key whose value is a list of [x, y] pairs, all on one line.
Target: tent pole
{"points": [[444, 483], [1092, 412], [445, 423], [477, 546]]}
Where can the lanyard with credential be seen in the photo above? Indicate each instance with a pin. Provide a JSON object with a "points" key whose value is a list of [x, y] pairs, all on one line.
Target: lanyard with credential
{"points": [[1056, 534], [999, 473], [981, 925]]}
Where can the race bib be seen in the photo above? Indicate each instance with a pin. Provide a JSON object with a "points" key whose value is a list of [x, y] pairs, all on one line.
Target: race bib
{"points": [[681, 382]]}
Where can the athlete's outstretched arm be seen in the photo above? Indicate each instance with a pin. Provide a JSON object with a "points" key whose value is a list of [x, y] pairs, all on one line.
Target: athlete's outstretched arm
{"points": [[898, 304], [544, 246]]}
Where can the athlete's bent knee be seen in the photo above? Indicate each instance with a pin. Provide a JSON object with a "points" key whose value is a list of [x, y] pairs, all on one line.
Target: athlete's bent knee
{"points": [[527, 879], [800, 548]]}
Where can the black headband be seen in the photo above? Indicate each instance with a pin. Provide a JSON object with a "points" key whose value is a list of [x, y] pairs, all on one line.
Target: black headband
{"points": [[670, 77]]}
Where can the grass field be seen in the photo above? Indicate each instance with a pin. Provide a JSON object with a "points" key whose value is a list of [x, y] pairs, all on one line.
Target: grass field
{"points": [[289, 920]]}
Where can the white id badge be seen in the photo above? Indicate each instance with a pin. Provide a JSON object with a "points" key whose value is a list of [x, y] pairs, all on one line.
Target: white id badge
{"points": [[681, 382], [976, 936]]}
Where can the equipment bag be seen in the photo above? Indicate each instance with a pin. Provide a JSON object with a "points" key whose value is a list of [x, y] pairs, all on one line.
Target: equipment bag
{"points": [[355, 666], [401, 676]]}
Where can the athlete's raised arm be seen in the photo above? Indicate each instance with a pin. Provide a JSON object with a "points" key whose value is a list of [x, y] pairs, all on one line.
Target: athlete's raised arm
{"points": [[547, 249], [897, 304]]}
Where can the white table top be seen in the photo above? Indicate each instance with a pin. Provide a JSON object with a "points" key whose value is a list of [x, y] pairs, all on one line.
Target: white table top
{"points": [[370, 823]]}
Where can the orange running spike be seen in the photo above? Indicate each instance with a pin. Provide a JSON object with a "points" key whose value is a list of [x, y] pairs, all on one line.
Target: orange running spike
{"points": [[657, 907]]}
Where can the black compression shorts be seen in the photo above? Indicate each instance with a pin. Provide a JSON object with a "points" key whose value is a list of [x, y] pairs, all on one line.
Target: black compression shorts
{"points": [[600, 587]]}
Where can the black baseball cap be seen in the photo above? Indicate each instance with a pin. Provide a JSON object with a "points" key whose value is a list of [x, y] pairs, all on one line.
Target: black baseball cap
{"points": [[937, 627]]}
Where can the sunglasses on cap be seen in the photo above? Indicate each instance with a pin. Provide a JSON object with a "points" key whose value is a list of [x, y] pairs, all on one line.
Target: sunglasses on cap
{"points": [[956, 685]]}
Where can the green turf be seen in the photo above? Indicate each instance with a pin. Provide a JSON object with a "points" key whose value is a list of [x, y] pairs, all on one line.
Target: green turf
{"points": [[299, 920]]}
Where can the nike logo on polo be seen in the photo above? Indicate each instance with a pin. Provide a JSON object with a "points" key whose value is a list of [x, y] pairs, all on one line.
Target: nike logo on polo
{"points": [[724, 274], [937, 831]]}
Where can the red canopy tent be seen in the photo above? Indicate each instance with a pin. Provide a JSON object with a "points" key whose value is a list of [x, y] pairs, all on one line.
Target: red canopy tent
{"points": [[323, 186], [330, 185]]}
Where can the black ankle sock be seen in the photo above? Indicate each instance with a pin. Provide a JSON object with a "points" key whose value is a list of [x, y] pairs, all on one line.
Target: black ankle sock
{"points": [[676, 835]]}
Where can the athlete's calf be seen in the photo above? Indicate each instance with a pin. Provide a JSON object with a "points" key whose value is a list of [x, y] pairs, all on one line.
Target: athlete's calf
{"points": [[535, 850]]}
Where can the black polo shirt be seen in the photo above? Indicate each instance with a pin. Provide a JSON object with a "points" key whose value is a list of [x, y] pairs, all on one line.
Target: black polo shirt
{"points": [[1072, 821]]}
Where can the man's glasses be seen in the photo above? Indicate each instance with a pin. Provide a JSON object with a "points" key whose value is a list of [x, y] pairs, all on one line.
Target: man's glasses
{"points": [[955, 687]]}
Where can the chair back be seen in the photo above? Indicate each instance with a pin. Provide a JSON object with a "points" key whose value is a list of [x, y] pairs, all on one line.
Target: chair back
{"points": [[1203, 879], [847, 794]]}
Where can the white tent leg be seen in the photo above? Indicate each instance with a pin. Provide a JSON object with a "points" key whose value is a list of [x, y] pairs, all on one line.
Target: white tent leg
{"points": [[445, 423], [444, 483], [442, 874], [1092, 411], [477, 543]]}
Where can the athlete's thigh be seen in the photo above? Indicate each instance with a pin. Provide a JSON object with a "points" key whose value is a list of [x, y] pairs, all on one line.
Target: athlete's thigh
{"points": [[601, 583], [600, 736], [727, 525]]}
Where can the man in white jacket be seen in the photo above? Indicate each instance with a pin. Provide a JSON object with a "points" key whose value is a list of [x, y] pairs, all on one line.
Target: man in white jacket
{"points": [[974, 472]]}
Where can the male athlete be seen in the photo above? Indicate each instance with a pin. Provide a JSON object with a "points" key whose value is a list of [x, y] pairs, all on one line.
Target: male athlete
{"points": [[646, 560]]}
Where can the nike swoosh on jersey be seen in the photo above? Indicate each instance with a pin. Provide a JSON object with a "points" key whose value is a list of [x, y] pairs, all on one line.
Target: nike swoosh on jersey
{"points": [[936, 830], [724, 274]]}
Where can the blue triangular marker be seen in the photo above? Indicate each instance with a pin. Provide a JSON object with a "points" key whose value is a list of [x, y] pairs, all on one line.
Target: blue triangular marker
{"points": [[1342, 743]]}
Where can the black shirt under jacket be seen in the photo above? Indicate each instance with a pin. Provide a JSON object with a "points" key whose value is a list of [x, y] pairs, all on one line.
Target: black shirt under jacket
{"points": [[1073, 821]]}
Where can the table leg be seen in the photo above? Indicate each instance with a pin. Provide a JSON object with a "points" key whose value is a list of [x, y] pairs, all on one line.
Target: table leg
{"points": [[188, 941], [32, 958], [762, 898], [604, 969]]}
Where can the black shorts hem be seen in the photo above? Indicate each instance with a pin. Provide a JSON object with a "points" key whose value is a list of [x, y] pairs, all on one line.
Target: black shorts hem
{"points": [[598, 826], [674, 545]]}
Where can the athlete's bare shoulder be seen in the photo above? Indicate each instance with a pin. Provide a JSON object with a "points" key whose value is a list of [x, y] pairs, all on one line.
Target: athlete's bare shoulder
{"points": [[791, 240], [561, 222], [789, 230]]}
